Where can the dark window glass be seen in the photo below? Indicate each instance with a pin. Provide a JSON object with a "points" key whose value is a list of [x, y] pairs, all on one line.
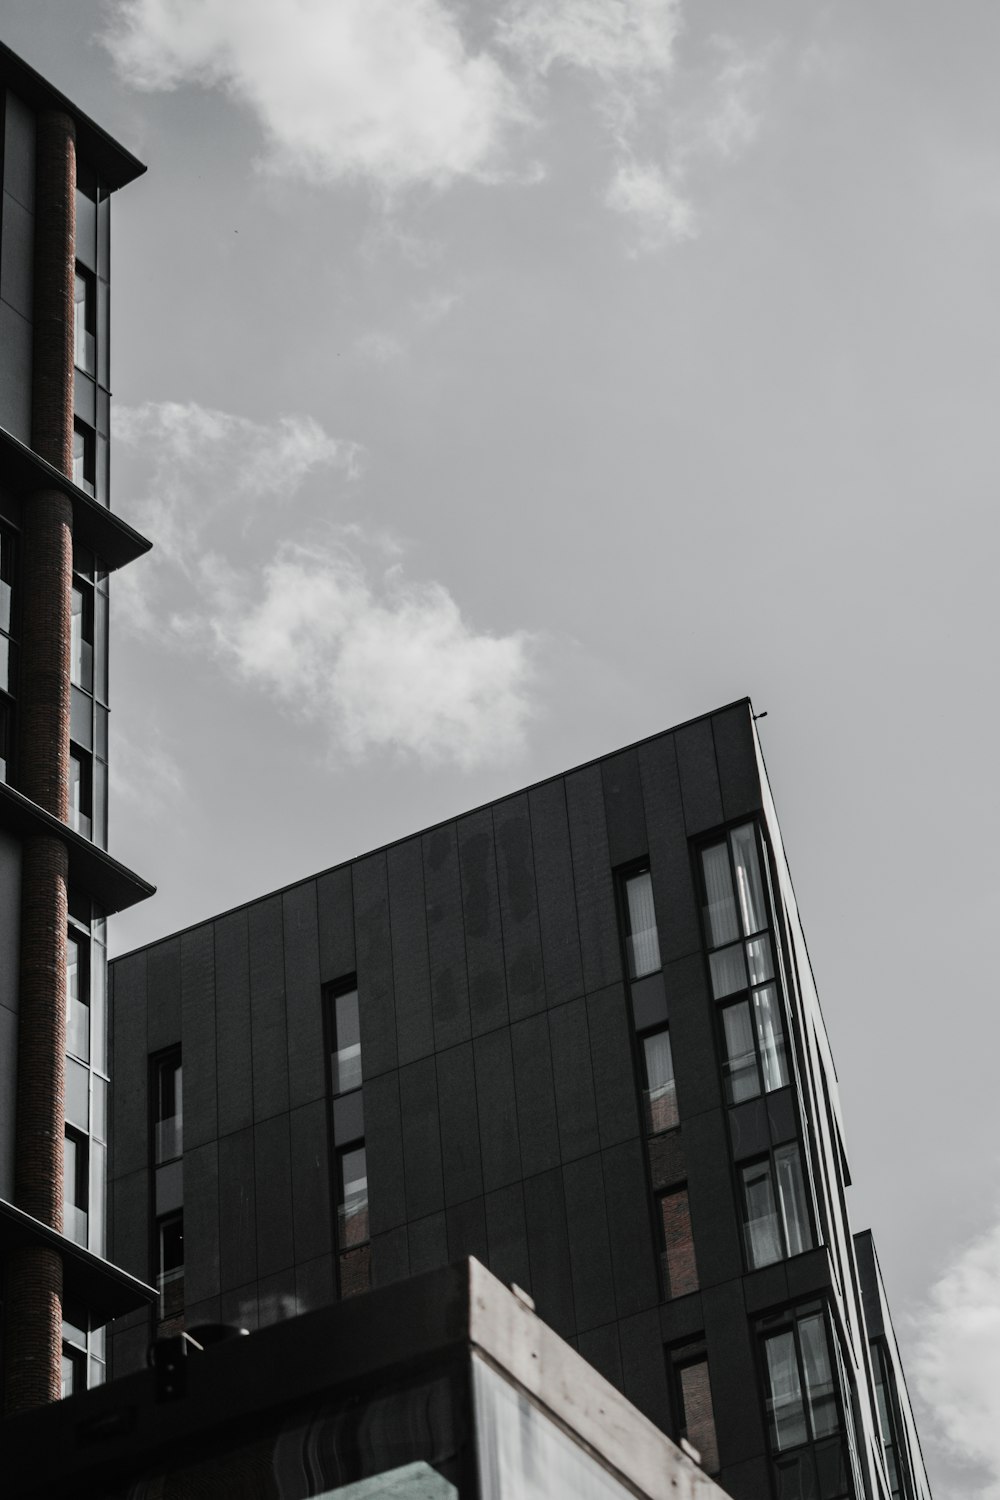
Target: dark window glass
{"points": [[80, 791], [77, 997], [6, 579], [170, 1266], [74, 1372], [776, 1216], [895, 1459], [346, 1059], [75, 1184], [81, 660], [660, 1092], [680, 1269], [168, 1104], [754, 1045], [85, 322], [804, 1406], [352, 1197], [642, 940], [84, 468]]}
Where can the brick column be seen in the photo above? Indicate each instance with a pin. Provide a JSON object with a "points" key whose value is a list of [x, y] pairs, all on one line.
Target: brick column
{"points": [[34, 1274]]}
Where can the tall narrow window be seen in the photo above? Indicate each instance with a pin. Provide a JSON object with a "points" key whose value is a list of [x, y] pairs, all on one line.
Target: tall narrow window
{"points": [[169, 1110], [804, 1405], [353, 1184], [81, 658], [76, 1184], [77, 997], [170, 1266], [84, 322], [894, 1448], [680, 1269], [692, 1394], [660, 1091], [642, 942], [84, 457], [774, 1203], [345, 1070], [80, 793]]}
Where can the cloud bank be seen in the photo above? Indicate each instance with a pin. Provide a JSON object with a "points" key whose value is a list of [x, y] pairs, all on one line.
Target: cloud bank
{"points": [[378, 661], [392, 93], [957, 1360]]}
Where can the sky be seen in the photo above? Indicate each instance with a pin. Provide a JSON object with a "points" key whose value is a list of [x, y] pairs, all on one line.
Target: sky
{"points": [[503, 382]]}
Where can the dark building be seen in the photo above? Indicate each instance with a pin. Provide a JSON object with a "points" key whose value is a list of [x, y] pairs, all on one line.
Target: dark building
{"points": [[443, 1387], [574, 1034], [59, 542]]}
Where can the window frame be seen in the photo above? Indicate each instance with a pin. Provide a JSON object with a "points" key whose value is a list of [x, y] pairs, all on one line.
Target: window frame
{"points": [[676, 1190], [623, 876], [768, 1159], [159, 1063], [786, 1322], [691, 1354], [642, 1037]]}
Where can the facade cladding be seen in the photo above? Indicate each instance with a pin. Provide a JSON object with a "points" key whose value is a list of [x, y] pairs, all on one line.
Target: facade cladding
{"points": [[59, 542], [574, 1034]]}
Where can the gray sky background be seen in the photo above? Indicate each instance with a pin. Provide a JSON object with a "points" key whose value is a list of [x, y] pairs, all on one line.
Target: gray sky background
{"points": [[507, 381]]}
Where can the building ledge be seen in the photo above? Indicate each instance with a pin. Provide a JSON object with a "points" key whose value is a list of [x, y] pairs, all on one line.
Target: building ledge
{"points": [[115, 165], [113, 541], [106, 1291], [91, 869]]}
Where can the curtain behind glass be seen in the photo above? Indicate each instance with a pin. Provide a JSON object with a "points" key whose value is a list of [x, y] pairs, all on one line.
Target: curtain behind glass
{"points": [[819, 1376], [792, 1197], [750, 890], [661, 1093], [771, 1037], [764, 1245], [721, 910], [741, 1059], [785, 1399], [643, 941]]}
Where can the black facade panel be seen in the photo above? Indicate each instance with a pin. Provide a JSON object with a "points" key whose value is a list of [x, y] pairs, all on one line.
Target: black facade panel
{"points": [[682, 1319], [384, 1149], [736, 759], [633, 1257], [467, 1230], [421, 1138], [576, 1110], [595, 890], [335, 914], [130, 1237], [410, 961], [615, 1086], [349, 1116], [373, 940], [715, 1218], [129, 1099], [498, 1141], [267, 1009], [239, 1308], [273, 1173], [311, 1221], [428, 1243], [518, 908], [507, 1236], [303, 1006], [589, 1247], [766, 1289], [237, 1210], [460, 1158], [314, 1284], [277, 1298], [561, 961], [129, 1351], [201, 1223], [390, 1256], [692, 1036], [232, 1022], [733, 1375], [747, 1481], [748, 1129], [782, 1116], [163, 981], [649, 1001], [809, 1274], [700, 791], [538, 1132], [483, 935], [677, 915], [198, 1029], [600, 1348], [644, 1371], [628, 836], [446, 938], [548, 1251]]}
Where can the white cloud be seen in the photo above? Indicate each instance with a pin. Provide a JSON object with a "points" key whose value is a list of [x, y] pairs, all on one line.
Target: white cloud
{"points": [[341, 88], [377, 661], [957, 1360], [653, 198], [614, 39]]}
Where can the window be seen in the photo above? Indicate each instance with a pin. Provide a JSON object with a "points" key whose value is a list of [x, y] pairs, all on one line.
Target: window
{"points": [[75, 1186], [804, 1405], [170, 1267], [659, 1095], [680, 1269], [692, 1396], [77, 997], [81, 662], [84, 467], [352, 1169], [168, 1107], [776, 1218], [885, 1395], [80, 791], [642, 943], [74, 1371], [741, 964], [84, 322], [345, 1058]]}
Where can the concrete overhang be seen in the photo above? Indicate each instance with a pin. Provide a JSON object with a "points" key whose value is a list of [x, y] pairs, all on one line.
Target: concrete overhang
{"points": [[106, 1291]]}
